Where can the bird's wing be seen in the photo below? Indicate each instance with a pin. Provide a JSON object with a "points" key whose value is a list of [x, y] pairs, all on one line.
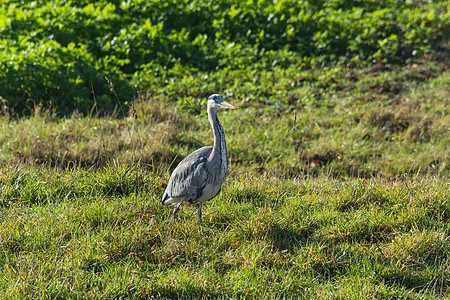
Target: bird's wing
{"points": [[189, 177]]}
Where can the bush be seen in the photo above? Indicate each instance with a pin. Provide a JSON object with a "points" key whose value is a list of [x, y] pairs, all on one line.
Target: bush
{"points": [[57, 53]]}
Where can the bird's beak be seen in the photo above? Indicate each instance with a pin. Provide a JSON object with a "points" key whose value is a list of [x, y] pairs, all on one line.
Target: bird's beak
{"points": [[227, 105]]}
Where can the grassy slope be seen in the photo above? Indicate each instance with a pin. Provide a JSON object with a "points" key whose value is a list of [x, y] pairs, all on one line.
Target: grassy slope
{"points": [[386, 120]]}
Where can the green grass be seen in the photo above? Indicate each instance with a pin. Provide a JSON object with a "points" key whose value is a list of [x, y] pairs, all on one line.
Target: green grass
{"points": [[103, 234], [384, 120], [343, 197]]}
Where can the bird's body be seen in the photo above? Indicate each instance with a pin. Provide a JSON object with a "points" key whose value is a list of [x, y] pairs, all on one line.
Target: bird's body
{"points": [[199, 176], [192, 181]]}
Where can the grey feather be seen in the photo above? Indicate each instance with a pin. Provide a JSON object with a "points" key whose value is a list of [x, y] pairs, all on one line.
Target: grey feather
{"points": [[199, 176], [189, 177]]}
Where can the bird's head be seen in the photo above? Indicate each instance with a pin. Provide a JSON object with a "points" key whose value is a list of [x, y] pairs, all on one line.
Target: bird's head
{"points": [[216, 101]]}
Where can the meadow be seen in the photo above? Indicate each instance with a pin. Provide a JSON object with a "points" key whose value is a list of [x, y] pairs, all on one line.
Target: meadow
{"points": [[338, 184]]}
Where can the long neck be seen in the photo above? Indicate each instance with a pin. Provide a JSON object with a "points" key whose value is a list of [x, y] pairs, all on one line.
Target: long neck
{"points": [[219, 152]]}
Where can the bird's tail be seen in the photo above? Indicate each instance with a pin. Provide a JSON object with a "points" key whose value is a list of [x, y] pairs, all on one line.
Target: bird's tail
{"points": [[166, 200]]}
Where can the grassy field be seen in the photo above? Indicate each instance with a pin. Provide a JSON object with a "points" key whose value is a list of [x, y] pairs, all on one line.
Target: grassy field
{"points": [[330, 202], [103, 234], [338, 184], [348, 199], [385, 120]]}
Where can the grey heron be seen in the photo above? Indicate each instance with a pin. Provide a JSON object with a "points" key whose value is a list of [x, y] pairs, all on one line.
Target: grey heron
{"points": [[199, 176]]}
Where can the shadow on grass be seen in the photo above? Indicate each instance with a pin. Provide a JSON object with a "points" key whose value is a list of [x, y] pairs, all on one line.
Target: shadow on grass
{"points": [[131, 292], [355, 201], [286, 238], [220, 221], [188, 291], [415, 281]]}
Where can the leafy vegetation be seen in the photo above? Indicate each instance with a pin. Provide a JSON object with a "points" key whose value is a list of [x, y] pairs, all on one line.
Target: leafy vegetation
{"points": [[57, 53], [338, 184]]}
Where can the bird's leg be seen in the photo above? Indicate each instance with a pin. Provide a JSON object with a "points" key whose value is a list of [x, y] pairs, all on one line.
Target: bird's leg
{"points": [[199, 214], [176, 209], [175, 212]]}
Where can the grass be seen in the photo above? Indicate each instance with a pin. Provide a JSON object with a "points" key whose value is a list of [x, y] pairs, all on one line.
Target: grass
{"points": [[384, 120], [337, 189], [104, 234]]}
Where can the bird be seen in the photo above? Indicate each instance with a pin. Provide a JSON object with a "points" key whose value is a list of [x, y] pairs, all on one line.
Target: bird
{"points": [[199, 176]]}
